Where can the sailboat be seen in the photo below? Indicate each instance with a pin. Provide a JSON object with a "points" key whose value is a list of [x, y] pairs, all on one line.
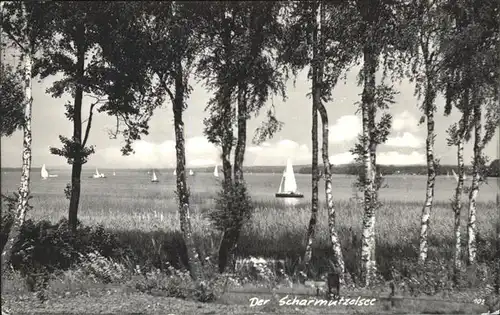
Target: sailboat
{"points": [[154, 179], [175, 172], [288, 185], [97, 174], [45, 174], [114, 174], [191, 173], [455, 175], [216, 171]]}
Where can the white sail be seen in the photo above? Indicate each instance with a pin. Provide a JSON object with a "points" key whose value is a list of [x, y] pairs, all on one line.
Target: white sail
{"points": [[191, 173], [455, 175], [44, 172], [175, 172], [280, 189], [216, 171], [114, 174], [289, 183], [154, 179]]}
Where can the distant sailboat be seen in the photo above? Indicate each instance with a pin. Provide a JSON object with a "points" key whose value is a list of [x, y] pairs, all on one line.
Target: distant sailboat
{"points": [[154, 179], [175, 172], [216, 171], [97, 174], [455, 175], [114, 174], [288, 185], [447, 174], [191, 173], [45, 174]]}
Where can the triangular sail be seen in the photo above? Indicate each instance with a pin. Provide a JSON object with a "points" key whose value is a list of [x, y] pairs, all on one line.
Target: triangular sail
{"points": [[191, 172], [44, 172], [455, 175], [289, 185], [175, 172], [154, 179], [280, 189], [216, 171], [97, 171]]}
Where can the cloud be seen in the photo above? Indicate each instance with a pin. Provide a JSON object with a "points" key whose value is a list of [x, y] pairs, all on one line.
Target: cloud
{"points": [[345, 129], [342, 158], [405, 121], [278, 153], [384, 158], [407, 140], [397, 158], [199, 153]]}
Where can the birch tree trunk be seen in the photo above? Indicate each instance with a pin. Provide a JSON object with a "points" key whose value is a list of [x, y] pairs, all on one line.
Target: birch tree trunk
{"points": [[457, 208], [230, 237], [431, 173], [314, 137], [368, 264], [338, 258], [76, 168], [24, 188], [182, 189], [471, 225]]}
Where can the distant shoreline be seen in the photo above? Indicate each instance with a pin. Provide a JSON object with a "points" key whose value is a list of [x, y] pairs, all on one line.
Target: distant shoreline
{"points": [[346, 169]]}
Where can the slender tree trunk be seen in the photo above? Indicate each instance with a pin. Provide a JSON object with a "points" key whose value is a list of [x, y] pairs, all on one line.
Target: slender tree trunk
{"points": [[230, 237], [24, 188], [242, 135], [431, 173], [334, 238], [368, 238], [76, 169], [182, 189], [457, 202], [471, 226], [314, 137]]}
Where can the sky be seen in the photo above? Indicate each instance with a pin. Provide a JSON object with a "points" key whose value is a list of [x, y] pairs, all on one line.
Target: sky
{"points": [[405, 145]]}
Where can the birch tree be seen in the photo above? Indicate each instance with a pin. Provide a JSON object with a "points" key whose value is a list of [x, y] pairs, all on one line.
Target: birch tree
{"points": [[238, 66], [27, 25], [428, 24], [317, 39], [168, 46], [484, 36], [379, 25], [471, 63]]}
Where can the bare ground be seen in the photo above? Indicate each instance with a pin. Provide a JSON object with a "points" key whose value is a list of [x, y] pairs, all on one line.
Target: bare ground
{"points": [[126, 302]]}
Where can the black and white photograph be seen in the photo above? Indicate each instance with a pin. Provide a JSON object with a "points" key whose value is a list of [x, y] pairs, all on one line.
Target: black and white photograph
{"points": [[250, 157]]}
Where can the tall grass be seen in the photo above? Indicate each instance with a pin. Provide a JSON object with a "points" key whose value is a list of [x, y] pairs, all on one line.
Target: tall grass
{"points": [[150, 225]]}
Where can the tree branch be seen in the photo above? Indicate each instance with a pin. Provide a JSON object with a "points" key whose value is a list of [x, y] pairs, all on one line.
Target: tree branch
{"points": [[89, 123]]}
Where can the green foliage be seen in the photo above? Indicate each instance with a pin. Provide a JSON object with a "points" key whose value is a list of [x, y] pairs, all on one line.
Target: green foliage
{"points": [[494, 169], [73, 151], [233, 208], [12, 96], [44, 248]]}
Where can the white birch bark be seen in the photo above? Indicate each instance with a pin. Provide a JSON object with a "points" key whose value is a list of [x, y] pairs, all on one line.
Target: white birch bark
{"points": [[471, 225], [431, 176], [24, 188]]}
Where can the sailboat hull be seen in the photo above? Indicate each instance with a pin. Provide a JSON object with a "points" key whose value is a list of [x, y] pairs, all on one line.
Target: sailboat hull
{"points": [[289, 195]]}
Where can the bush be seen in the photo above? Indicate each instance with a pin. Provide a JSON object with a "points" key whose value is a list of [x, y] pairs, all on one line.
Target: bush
{"points": [[44, 248], [233, 207]]}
